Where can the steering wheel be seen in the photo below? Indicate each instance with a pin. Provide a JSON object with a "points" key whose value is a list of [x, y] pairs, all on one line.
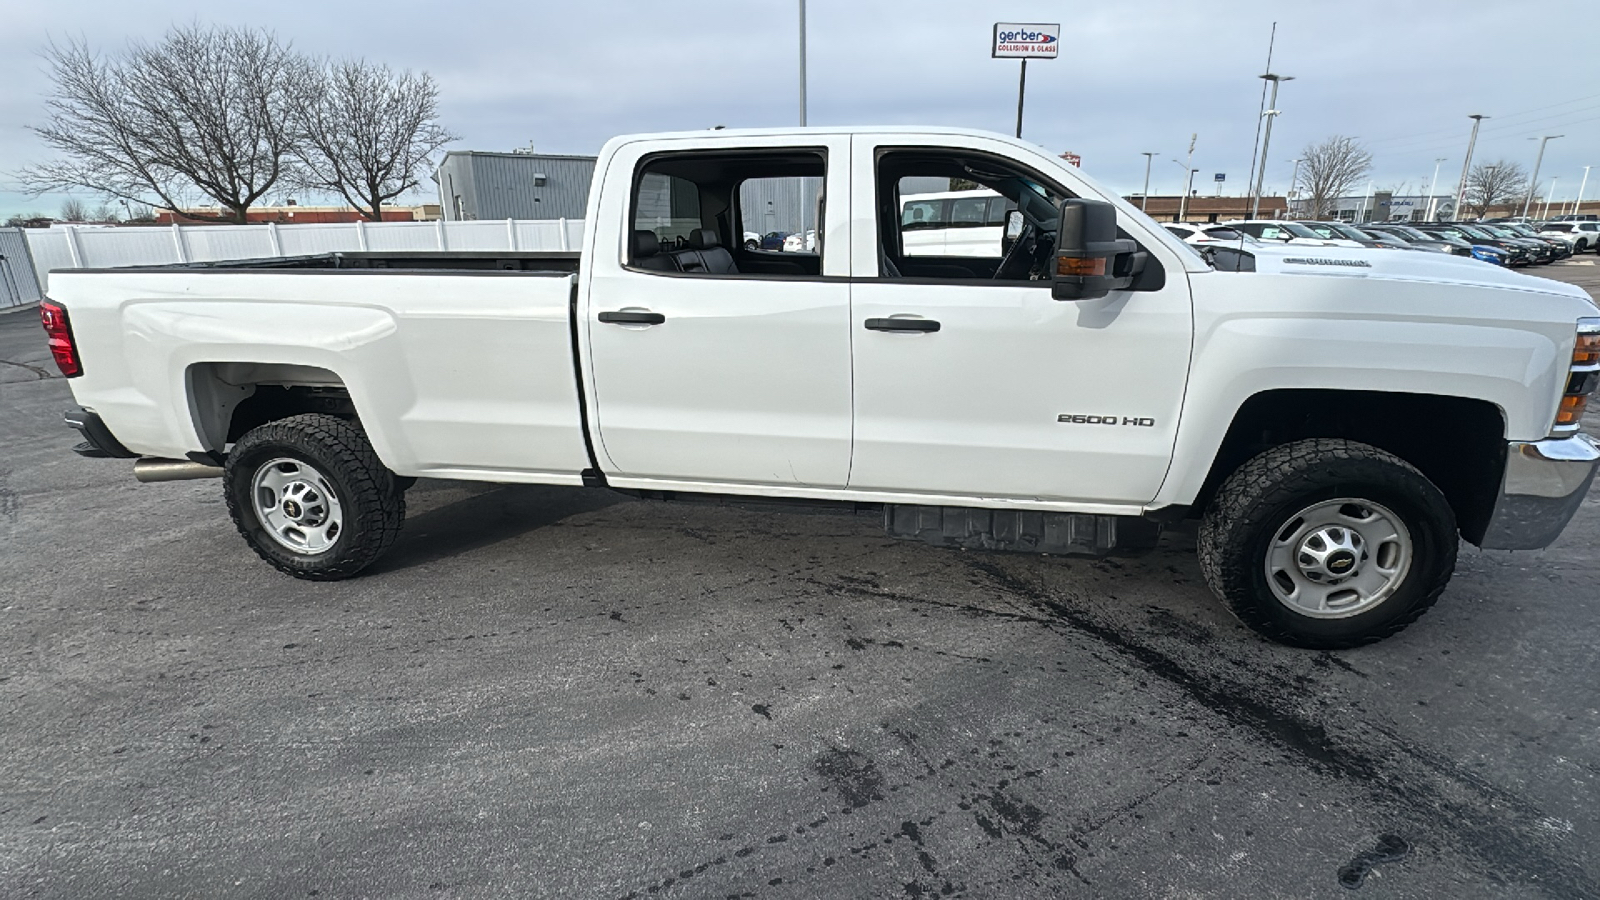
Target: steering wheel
{"points": [[1018, 261]]}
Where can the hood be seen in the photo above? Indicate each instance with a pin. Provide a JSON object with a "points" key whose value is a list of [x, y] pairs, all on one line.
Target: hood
{"points": [[1396, 265]]}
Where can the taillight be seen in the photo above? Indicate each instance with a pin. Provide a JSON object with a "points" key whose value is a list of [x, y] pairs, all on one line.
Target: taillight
{"points": [[1581, 379], [58, 333]]}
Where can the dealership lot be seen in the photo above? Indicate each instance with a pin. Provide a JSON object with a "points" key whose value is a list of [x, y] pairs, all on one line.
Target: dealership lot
{"points": [[553, 692]]}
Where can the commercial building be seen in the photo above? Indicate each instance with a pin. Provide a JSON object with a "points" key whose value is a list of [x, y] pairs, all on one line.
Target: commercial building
{"points": [[477, 185], [1207, 209]]}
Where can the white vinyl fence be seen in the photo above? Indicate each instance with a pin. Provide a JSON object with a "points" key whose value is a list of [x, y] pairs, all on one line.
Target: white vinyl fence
{"points": [[97, 247]]}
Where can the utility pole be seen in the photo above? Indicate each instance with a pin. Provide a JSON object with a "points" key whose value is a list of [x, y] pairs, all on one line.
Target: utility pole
{"points": [[1431, 185], [1538, 161], [1144, 199], [1022, 91], [1577, 204], [1255, 144], [1461, 190], [1271, 113], [1294, 182]]}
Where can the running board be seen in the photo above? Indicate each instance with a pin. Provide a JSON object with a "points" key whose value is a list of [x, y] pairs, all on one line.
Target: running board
{"points": [[1023, 531]]}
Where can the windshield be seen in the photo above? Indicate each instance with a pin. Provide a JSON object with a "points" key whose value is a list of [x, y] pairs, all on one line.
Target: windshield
{"points": [[1471, 231], [1499, 231], [1408, 233], [1325, 232]]}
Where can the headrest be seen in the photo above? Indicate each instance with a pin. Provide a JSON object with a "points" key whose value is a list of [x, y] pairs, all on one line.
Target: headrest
{"points": [[704, 238], [645, 243]]}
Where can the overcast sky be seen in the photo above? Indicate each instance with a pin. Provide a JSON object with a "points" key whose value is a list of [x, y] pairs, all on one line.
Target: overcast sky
{"points": [[1131, 76]]}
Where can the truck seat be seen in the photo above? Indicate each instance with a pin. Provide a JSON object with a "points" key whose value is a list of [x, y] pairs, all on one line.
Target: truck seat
{"points": [[706, 255]]}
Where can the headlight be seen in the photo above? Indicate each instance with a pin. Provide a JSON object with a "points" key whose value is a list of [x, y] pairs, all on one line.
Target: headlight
{"points": [[1582, 378]]}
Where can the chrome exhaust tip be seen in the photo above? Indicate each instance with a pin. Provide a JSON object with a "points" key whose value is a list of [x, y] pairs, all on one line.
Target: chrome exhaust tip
{"points": [[151, 469]]}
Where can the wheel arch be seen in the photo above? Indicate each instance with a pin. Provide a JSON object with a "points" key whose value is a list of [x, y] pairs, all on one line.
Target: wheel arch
{"points": [[1458, 443], [228, 399]]}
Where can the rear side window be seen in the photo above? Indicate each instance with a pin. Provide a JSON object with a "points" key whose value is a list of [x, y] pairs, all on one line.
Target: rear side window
{"points": [[917, 215], [667, 205], [969, 212]]}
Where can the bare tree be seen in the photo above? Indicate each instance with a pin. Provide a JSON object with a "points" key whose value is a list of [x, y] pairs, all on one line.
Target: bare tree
{"points": [[1329, 170], [74, 210], [105, 212], [200, 114], [1490, 184], [364, 131]]}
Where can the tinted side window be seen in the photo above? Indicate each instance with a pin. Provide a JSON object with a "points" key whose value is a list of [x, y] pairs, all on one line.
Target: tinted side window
{"points": [[667, 205], [969, 212]]}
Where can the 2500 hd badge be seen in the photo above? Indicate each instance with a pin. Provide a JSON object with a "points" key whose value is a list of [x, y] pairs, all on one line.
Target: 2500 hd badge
{"points": [[1071, 419]]}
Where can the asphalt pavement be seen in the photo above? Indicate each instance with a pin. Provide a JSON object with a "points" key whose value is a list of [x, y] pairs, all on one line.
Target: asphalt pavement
{"points": [[561, 693]]}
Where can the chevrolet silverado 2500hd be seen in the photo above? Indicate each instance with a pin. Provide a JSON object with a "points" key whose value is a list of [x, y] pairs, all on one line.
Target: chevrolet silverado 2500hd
{"points": [[1335, 418]]}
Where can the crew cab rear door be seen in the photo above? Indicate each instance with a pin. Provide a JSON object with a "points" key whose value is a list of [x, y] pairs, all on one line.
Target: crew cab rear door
{"points": [[711, 362], [971, 384]]}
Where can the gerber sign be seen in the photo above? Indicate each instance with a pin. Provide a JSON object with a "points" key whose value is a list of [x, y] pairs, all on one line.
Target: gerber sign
{"points": [[1013, 40]]}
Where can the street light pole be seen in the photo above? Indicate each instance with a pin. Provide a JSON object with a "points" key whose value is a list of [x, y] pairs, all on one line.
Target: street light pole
{"points": [[1545, 213], [1537, 162], [1578, 203], [1461, 190], [802, 63], [1294, 185], [1431, 185], [1144, 199], [1271, 113]]}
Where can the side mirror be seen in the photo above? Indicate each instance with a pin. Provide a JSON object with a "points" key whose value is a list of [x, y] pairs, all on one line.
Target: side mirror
{"points": [[1087, 250], [1013, 230]]}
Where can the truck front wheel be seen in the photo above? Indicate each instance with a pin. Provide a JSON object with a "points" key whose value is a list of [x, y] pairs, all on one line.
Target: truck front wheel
{"points": [[1328, 543], [312, 498]]}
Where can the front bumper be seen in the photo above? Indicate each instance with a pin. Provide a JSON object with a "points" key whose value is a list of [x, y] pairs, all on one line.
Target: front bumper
{"points": [[1543, 486]]}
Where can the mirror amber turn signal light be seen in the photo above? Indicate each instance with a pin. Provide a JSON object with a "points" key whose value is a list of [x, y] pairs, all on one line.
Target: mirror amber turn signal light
{"points": [[1066, 265]]}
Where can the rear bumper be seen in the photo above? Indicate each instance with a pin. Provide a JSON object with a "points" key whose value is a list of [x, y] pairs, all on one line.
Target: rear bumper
{"points": [[1543, 486], [98, 441]]}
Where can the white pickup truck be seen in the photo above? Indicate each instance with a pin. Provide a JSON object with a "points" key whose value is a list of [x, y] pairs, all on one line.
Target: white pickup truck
{"points": [[1333, 418]]}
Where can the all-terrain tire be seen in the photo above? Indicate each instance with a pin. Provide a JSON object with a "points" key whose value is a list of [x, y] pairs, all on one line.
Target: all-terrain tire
{"points": [[372, 505], [1258, 503]]}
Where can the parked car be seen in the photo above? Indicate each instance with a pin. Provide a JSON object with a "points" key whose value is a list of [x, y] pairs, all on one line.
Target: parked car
{"points": [[1552, 248], [1337, 419], [1287, 232], [1374, 239], [1210, 233], [1577, 217], [1421, 240], [752, 240], [773, 240], [797, 243], [954, 223], [1582, 239], [1518, 253]]}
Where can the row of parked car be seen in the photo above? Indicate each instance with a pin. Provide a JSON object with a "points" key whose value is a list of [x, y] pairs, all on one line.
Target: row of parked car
{"points": [[1499, 243]]}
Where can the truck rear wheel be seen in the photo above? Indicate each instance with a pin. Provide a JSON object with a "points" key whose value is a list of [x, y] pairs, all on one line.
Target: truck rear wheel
{"points": [[1328, 543], [312, 498]]}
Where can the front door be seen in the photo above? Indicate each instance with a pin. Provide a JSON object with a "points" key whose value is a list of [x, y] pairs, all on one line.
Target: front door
{"points": [[1016, 395], [714, 361]]}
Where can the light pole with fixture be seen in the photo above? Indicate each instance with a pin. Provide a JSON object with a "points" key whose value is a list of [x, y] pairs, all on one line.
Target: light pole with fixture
{"points": [[1271, 113], [1578, 203], [1538, 161], [1144, 199], [1294, 186], [1461, 191], [802, 63], [1545, 213], [1431, 185], [1188, 174]]}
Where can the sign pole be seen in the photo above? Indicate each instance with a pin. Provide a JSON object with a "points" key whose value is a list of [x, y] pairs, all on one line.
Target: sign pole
{"points": [[1022, 90], [1023, 41]]}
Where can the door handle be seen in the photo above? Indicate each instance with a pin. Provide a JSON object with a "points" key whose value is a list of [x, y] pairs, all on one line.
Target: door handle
{"points": [[903, 326], [629, 317]]}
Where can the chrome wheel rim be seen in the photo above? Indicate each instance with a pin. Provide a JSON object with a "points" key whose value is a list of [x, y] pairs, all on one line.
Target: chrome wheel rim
{"points": [[1338, 558], [297, 506]]}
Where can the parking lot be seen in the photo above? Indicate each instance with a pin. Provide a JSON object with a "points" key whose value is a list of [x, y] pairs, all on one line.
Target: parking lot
{"points": [[552, 692]]}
